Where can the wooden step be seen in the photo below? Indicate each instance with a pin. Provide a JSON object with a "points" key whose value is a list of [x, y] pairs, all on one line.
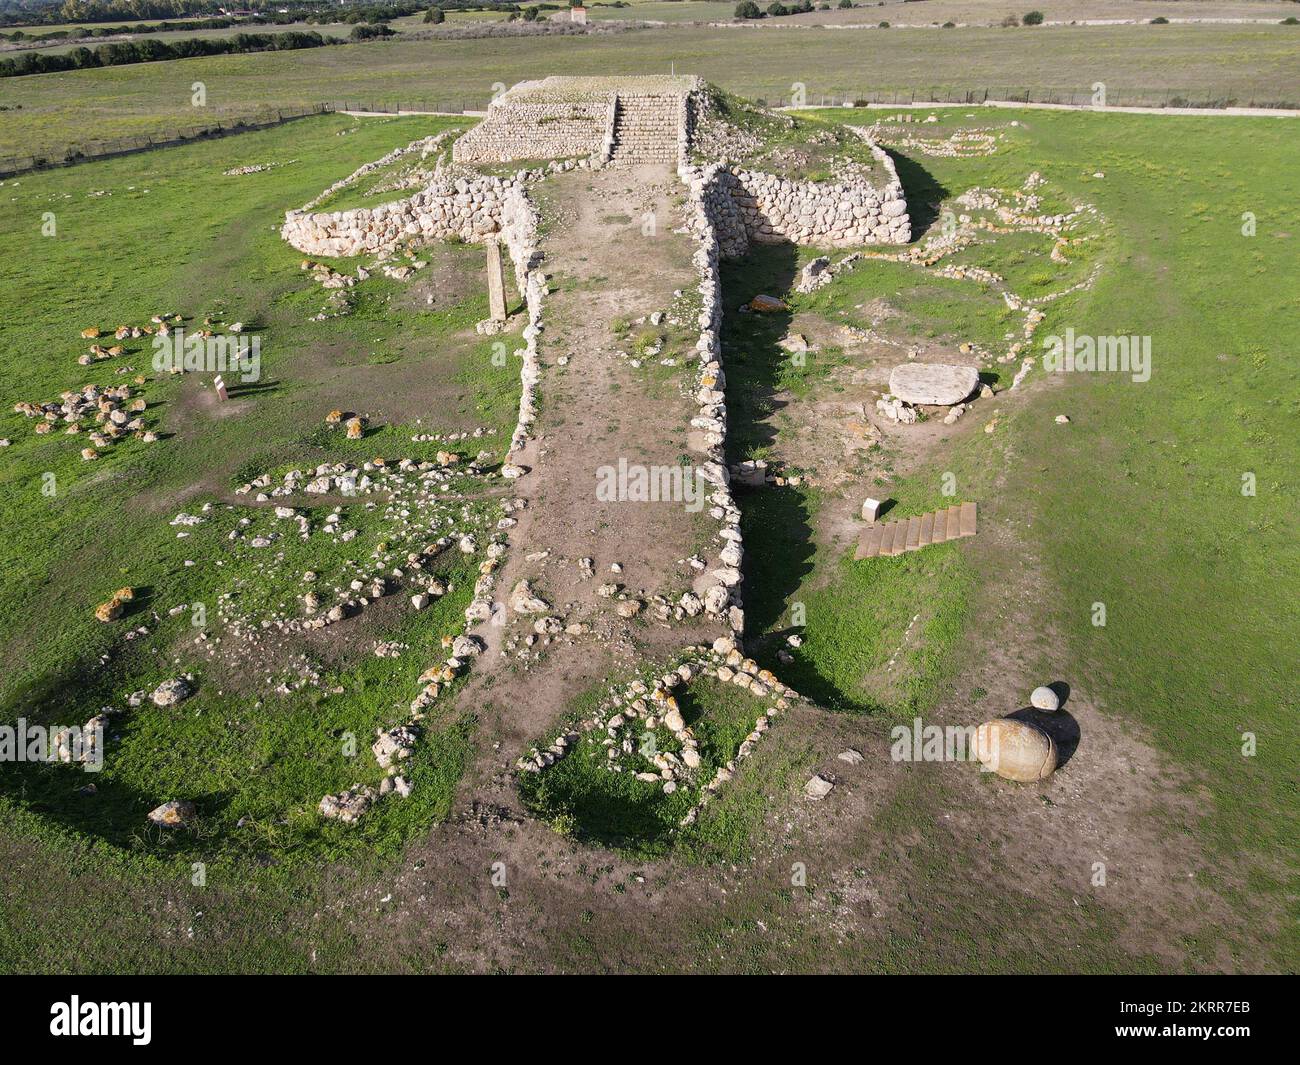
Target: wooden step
{"points": [[869, 545], [954, 522], [887, 539], [940, 533], [911, 534], [927, 530], [900, 537]]}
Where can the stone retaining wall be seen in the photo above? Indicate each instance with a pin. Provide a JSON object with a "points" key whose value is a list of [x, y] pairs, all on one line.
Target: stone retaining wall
{"points": [[745, 205], [466, 210], [773, 209], [519, 234], [559, 130], [708, 211]]}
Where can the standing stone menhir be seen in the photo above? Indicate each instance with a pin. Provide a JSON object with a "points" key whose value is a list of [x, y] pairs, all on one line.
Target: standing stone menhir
{"points": [[496, 282]]}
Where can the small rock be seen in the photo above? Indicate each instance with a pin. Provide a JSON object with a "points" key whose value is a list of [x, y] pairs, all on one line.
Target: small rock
{"points": [[767, 304], [818, 787], [1043, 698], [171, 692], [173, 814], [524, 601]]}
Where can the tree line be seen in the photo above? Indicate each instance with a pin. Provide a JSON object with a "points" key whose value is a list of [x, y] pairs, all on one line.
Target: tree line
{"points": [[152, 50], [36, 13]]}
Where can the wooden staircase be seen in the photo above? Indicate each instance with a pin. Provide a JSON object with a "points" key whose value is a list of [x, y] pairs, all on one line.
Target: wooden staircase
{"points": [[912, 534]]}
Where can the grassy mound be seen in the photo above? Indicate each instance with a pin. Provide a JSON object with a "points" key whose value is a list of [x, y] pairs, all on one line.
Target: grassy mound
{"points": [[743, 134]]}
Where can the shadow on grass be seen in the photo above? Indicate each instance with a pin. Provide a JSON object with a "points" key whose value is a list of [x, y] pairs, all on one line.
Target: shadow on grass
{"points": [[70, 796], [776, 521], [1059, 724], [579, 796], [752, 360], [924, 193]]}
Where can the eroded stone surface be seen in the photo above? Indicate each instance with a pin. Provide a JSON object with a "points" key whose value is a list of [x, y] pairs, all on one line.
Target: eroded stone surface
{"points": [[1015, 750], [932, 383]]}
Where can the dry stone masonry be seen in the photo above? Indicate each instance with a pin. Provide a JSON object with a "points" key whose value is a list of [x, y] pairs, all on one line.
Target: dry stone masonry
{"points": [[594, 122], [591, 123], [524, 124]]}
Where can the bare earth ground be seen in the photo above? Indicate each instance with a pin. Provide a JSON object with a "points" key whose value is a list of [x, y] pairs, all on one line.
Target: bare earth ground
{"points": [[596, 410]]}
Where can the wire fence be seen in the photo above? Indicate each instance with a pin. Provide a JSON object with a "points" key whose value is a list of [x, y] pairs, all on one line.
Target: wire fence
{"points": [[439, 106], [101, 149], [1161, 98]]}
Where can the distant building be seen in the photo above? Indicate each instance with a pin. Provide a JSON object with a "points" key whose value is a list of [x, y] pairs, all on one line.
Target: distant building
{"points": [[578, 14]]}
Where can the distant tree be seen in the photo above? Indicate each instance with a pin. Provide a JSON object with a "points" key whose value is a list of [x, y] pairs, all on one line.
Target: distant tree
{"points": [[748, 10], [1160, 20], [844, 4], [1033, 18], [777, 9], [362, 32], [435, 16]]}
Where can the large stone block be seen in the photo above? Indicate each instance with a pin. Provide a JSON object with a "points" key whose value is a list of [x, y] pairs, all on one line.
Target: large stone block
{"points": [[932, 383]]}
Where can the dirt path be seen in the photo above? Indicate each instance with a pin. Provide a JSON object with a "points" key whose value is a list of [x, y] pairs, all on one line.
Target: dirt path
{"points": [[597, 408]]}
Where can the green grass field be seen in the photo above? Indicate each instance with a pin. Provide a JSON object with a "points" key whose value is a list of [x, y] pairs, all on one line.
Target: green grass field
{"points": [[1140, 505], [188, 238], [54, 111], [337, 31], [1136, 504]]}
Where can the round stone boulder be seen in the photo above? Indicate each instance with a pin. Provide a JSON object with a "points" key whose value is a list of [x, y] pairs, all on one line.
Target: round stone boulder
{"points": [[932, 383], [1043, 698], [1015, 750]]}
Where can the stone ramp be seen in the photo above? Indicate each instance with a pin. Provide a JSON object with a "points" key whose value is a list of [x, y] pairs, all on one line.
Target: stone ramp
{"points": [[600, 414], [911, 534]]}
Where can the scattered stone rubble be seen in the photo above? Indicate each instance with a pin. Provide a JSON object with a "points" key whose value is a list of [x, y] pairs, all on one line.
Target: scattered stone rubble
{"points": [[983, 212], [962, 144]]}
